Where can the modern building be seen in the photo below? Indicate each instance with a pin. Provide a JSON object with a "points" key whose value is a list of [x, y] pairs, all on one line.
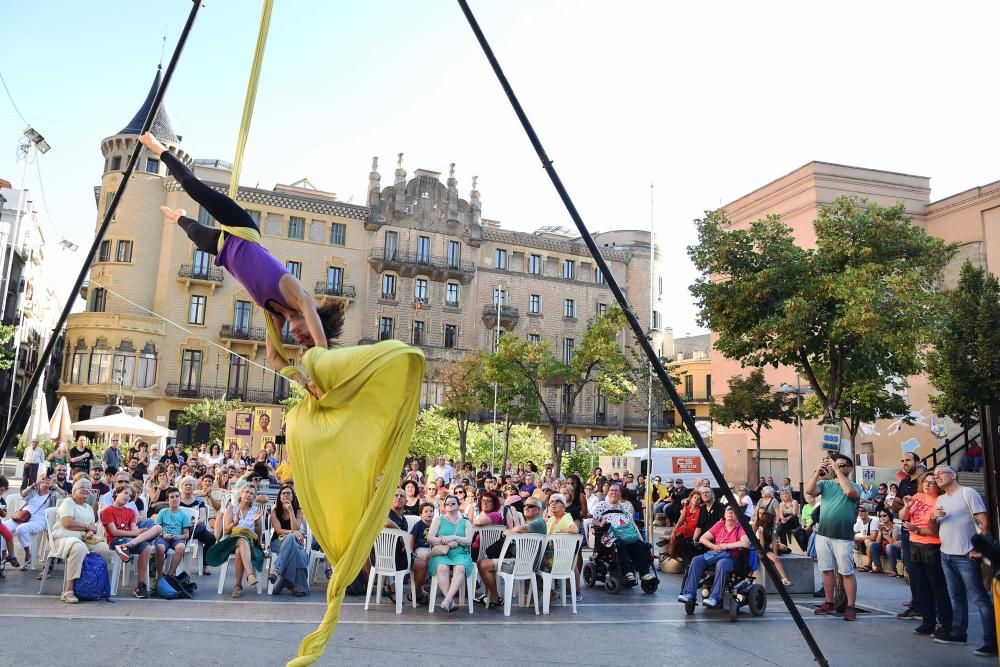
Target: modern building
{"points": [[418, 263], [970, 218]]}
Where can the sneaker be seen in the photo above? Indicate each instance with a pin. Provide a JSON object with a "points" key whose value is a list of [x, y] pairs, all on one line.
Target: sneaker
{"points": [[949, 638], [69, 598], [825, 608], [649, 576], [940, 631], [909, 615], [630, 577], [579, 596], [685, 598], [924, 630], [850, 613], [141, 592], [710, 602], [987, 650]]}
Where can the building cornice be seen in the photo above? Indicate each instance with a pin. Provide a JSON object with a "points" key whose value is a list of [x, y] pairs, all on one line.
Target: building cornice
{"points": [[542, 243]]}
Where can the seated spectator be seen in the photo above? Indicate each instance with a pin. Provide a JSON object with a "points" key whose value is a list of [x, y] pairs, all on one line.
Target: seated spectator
{"points": [[75, 535], [121, 477], [190, 500], [711, 513], [786, 485], [421, 549], [176, 525], [62, 486], [890, 496], [763, 525], [560, 521], [5, 532], [767, 500], [412, 501], [616, 514], [972, 460], [488, 566], [743, 498], [804, 533], [528, 487], [37, 498], [97, 480], [888, 542], [291, 565], [723, 540], [397, 520], [786, 519], [681, 541], [466, 503], [677, 495], [211, 496], [865, 532], [242, 526], [127, 538], [450, 537], [156, 490]]}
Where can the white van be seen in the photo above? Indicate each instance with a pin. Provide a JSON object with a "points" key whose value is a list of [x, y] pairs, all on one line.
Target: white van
{"points": [[686, 463]]}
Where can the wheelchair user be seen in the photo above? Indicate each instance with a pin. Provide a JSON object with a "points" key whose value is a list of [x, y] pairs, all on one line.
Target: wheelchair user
{"points": [[723, 540], [623, 535]]}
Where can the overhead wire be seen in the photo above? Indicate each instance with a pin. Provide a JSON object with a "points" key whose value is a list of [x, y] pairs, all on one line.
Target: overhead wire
{"points": [[12, 102]]}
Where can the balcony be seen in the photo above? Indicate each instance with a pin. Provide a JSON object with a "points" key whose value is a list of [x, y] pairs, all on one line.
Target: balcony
{"points": [[454, 305], [200, 275], [509, 316], [324, 288], [261, 396], [421, 303], [122, 323], [233, 332], [411, 264]]}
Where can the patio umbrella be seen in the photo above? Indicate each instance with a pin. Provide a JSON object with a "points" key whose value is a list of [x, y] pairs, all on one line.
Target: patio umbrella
{"points": [[38, 422], [123, 423], [60, 428]]}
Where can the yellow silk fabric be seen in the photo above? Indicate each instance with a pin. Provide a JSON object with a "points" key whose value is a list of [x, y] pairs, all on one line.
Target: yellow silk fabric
{"points": [[347, 450]]}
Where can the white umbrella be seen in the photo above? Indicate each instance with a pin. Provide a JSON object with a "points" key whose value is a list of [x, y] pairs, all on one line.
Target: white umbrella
{"points": [[60, 429], [123, 423], [38, 422]]}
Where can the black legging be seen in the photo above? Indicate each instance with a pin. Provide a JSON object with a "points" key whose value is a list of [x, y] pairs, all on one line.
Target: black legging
{"points": [[218, 205]]}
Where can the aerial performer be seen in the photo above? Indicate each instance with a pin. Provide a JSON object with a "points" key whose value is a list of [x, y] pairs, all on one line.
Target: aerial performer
{"points": [[348, 437]]}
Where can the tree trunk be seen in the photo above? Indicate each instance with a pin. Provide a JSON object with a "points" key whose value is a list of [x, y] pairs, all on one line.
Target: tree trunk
{"points": [[463, 433], [756, 463], [555, 441], [506, 446]]}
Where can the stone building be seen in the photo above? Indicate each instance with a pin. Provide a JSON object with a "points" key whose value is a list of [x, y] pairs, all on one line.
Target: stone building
{"points": [[418, 263]]}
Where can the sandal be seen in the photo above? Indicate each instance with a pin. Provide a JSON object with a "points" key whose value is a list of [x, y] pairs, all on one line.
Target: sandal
{"points": [[786, 582], [891, 573], [237, 590], [122, 552], [12, 559], [387, 592], [273, 577], [251, 580]]}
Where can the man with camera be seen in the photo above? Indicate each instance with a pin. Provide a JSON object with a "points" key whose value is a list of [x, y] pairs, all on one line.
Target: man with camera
{"points": [[835, 532]]}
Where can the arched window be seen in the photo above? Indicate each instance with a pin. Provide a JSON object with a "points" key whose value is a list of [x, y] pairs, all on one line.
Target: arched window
{"points": [[100, 362], [123, 365], [146, 377]]}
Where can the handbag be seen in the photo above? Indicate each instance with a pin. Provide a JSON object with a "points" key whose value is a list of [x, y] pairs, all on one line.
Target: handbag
{"points": [[21, 516], [713, 557]]}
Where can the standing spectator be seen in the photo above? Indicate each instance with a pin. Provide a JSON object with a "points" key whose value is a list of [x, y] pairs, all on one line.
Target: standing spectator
{"points": [[75, 535], [908, 486], [37, 498], [959, 514], [972, 460], [122, 528], [112, 456], [59, 455], [33, 457], [81, 455], [865, 532], [678, 494], [925, 556], [482, 474], [840, 498], [414, 473], [440, 471]]}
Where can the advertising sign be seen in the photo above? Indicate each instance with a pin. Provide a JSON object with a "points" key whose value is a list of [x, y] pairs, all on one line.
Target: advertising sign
{"points": [[683, 465]]}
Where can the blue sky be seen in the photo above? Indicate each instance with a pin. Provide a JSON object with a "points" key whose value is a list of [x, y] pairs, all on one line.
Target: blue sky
{"points": [[707, 101]]}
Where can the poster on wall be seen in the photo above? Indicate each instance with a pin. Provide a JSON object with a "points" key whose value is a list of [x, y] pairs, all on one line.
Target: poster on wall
{"points": [[262, 421], [243, 422]]}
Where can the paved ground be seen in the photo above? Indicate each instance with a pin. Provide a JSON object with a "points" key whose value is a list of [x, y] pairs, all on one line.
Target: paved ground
{"points": [[627, 629]]}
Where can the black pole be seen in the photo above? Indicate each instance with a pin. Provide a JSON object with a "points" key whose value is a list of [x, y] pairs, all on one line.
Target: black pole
{"points": [[637, 329], [24, 404], [989, 432]]}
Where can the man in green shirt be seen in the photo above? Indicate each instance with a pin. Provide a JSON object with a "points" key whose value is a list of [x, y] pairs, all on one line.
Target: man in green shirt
{"points": [[835, 532], [533, 523]]}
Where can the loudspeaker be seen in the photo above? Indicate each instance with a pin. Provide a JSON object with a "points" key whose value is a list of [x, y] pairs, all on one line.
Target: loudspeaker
{"points": [[183, 434], [279, 439], [201, 432]]}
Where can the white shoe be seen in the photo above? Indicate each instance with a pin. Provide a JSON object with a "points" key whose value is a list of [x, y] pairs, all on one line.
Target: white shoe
{"points": [[649, 576], [684, 597], [710, 602]]}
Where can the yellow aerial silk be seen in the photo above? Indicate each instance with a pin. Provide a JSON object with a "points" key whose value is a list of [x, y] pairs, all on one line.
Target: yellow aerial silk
{"points": [[347, 451]]}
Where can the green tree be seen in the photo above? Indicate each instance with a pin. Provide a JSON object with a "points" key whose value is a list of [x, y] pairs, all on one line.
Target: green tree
{"points": [[598, 361], [212, 411], [751, 405], [861, 299], [867, 398], [965, 364], [524, 443], [6, 354], [516, 399], [617, 445], [461, 398], [679, 438], [434, 434]]}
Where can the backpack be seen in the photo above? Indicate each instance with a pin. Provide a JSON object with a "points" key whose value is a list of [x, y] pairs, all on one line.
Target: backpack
{"points": [[93, 583], [626, 534], [165, 589], [181, 586]]}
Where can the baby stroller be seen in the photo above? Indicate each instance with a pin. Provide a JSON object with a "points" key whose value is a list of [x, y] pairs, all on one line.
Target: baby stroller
{"points": [[604, 565], [739, 590]]}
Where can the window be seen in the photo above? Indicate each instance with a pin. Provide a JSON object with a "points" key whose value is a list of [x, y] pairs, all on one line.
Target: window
{"points": [[569, 345], [657, 319], [238, 369], [108, 196], [296, 227], [601, 407], [334, 279], [201, 264], [388, 286], [424, 250], [152, 165], [598, 276], [104, 254], [451, 295], [535, 303], [100, 363], [116, 163], [567, 400], [255, 216], [708, 386], [418, 332], [338, 234], [204, 218], [688, 387], [190, 372], [499, 297], [569, 308], [294, 268], [385, 328], [99, 302], [123, 252], [535, 265], [282, 389], [420, 290], [391, 245], [79, 369], [241, 317], [500, 258], [659, 282], [146, 375], [450, 335], [123, 365], [196, 309], [569, 443], [569, 269], [602, 308], [534, 338], [454, 254]]}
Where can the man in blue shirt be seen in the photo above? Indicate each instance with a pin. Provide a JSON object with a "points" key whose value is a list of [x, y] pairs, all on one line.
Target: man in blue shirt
{"points": [[176, 525]]}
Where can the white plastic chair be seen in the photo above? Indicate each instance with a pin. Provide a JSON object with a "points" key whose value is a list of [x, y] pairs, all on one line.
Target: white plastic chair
{"points": [[488, 536], [193, 550], [385, 566], [522, 565], [411, 521], [14, 503], [470, 587], [51, 516], [564, 551], [315, 556]]}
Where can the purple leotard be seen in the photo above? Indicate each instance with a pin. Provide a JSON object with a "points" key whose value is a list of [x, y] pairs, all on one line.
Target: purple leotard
{"points": [[256, 269]]}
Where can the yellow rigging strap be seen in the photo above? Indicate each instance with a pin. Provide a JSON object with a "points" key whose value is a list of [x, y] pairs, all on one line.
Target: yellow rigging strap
{"points": [[251, 97]]}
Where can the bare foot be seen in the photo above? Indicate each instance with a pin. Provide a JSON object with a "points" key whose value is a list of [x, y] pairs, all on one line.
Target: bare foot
{"points": [[152, 143], [172, 213]]}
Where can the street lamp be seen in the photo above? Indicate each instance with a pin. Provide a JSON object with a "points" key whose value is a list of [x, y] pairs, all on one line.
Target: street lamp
{"points": [[799, 393]]}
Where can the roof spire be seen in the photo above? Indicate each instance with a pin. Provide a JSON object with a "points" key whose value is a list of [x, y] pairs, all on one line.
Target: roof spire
{"points": [[161, 128]]}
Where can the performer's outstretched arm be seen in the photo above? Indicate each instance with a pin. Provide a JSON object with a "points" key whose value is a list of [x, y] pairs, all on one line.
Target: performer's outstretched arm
{"points": [[275, 361]]}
